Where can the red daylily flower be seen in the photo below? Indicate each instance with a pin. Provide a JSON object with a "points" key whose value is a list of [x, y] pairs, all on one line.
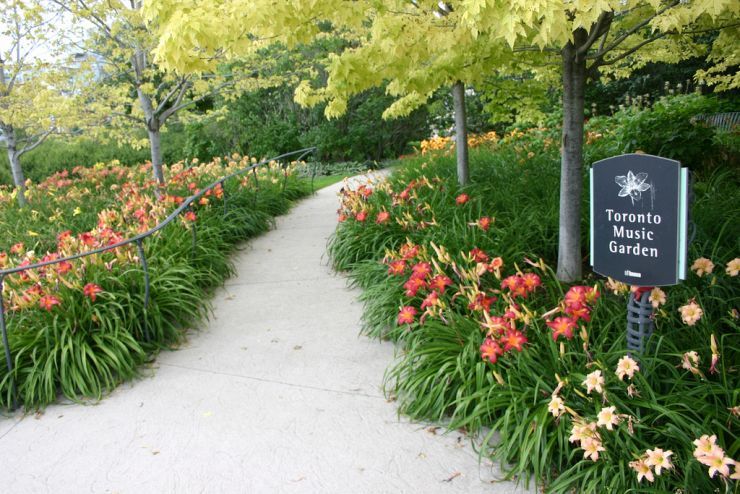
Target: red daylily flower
{"points": [[514, 339], [511, 282], [440, 283], [48, 302], [87, 239], [578, 312], [562, 326], [531, 281], [342, 218], [361, 216], [478, 255], [592, 295], [17, 248], [413, 285], [91, 290], [64, 267], [482, 303], [382, 217], [62, 237], [496, 325], [421, 270], [3, 259], [409, 251], [490, 350], [190, 216], [397, 267], [576, 296], [430, 300], [462, 199], [406, 315], [364, 191], [484, 223]]}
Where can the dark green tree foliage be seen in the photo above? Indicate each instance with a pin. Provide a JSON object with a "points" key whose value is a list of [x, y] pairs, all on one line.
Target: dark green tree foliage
{"points": [[268, 122]]}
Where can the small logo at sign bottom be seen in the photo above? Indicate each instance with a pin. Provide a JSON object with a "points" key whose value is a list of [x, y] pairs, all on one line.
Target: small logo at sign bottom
{"points": [[632, 274]]}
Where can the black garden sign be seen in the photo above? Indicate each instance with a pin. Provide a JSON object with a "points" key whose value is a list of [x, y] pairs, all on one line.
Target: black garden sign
{"points": [[639, 217]]}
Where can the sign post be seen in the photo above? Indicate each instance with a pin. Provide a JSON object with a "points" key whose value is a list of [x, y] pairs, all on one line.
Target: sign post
{"points": [[639, 220]]}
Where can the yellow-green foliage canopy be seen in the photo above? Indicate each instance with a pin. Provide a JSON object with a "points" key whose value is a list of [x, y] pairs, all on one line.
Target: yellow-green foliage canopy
{"points": [[418, 46]]}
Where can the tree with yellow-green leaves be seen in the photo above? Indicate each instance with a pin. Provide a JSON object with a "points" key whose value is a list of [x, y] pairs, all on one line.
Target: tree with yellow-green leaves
{"points": [[136, 93], [557, 41], [37, 98]]}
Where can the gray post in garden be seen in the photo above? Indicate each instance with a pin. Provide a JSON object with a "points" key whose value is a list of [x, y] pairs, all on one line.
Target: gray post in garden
{"points": [[461, 133]]}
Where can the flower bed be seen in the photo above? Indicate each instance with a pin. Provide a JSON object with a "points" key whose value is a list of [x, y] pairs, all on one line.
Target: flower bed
{"points": [[81, 327], [491, 341]]}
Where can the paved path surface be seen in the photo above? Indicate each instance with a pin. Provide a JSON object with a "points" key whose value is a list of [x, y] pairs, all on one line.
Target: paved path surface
{"points": [[277, 393]]}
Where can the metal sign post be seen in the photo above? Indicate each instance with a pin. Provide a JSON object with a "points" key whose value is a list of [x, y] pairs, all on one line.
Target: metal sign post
{"points": [[639, 220]]}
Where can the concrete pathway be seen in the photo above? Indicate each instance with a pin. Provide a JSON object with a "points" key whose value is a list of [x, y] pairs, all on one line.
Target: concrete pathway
{"points": [[277, 393]]}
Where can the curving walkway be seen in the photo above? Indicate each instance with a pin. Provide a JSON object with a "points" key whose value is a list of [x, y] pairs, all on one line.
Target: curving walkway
{"points": [[277, 393]]}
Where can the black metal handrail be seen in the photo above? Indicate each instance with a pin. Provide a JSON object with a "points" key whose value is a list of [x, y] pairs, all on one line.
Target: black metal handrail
{"points": [[138, 240]]}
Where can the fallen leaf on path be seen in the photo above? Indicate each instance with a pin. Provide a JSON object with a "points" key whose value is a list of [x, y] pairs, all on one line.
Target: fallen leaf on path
{"points": [[452, 477]]}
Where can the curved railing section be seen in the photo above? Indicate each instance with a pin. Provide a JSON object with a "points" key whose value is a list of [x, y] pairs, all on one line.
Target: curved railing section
{"points": [[139, 241]]}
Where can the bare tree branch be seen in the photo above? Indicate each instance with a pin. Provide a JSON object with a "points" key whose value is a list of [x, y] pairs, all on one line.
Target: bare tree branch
{"points": [[178, 89], [600, 54], [602, 25], [37, 143]]}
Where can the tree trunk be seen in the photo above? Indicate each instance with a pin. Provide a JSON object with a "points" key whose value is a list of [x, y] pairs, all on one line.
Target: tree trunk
{"points": [[19, 179], [571, 165], [155, 144], [461, 133]]}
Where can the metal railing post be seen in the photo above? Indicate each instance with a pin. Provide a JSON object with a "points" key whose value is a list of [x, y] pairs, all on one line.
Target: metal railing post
{"points": [[256, 186], [145, 267], [194, 235], [285, 176], [6, 345]]}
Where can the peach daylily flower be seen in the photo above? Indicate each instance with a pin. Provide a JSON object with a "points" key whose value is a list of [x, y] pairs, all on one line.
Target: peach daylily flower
{"points": [[691, 313], [705, 445], [736, 474], [591, 448], [690, 362], [733, 267], [702, 266], [659, 459], [593, 382], [657, 297], [582, 431], [643, 470], [608, 418], [626, 367], [556, 406], [717, 463]]}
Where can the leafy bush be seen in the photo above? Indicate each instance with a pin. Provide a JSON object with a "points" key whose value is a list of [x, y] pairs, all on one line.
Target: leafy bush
{"points": [[669, 129], [81, 327], [56, 155], [491, 342]]}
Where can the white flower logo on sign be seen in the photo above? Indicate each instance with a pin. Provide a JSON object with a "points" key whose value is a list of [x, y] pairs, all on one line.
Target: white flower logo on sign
{"points": [[632, 185]]}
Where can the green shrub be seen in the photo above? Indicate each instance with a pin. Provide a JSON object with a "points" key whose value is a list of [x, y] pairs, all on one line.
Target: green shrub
{"points": [[670, 129]]}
